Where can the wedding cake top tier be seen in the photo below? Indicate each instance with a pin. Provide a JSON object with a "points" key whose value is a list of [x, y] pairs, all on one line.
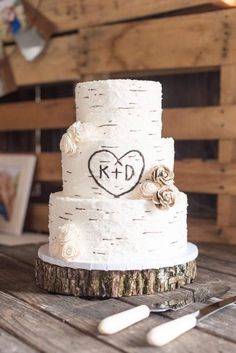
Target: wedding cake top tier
{"points": [[118, 107], [116, 142]]}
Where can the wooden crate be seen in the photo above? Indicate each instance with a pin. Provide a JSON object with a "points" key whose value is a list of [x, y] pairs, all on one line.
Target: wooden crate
{"points": [[196, 42], [68, 15]]}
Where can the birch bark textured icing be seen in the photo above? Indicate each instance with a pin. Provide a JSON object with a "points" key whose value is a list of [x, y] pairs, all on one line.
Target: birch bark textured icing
{"points": [[107, 157]]}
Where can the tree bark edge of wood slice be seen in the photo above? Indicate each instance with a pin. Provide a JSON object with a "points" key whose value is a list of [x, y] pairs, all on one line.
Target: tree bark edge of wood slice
{"points": [[112, 284]]}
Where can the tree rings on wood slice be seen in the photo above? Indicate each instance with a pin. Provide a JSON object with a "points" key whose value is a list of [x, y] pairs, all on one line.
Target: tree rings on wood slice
{"points": [[107, 284]]}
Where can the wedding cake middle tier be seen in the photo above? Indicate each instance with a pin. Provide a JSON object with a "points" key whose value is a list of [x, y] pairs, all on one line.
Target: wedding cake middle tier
{"points": [[105, 168]]}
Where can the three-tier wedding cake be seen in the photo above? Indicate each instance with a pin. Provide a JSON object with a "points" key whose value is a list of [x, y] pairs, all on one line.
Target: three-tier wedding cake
{"points": [[120, 214]]}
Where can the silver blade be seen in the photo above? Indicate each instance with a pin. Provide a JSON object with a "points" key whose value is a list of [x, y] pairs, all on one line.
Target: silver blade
{"points": [[210, 309]]}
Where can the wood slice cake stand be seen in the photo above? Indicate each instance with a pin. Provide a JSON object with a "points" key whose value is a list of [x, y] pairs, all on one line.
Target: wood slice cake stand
{"points": [[115, 280]]}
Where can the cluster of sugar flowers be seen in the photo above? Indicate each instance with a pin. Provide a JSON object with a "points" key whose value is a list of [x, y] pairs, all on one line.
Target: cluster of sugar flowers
{"points": [[66, 245], [160, 189], [75, 133]]}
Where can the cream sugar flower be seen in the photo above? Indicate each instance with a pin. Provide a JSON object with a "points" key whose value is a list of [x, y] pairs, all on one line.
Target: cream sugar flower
{"points": [[147, 189], [160, 189], [67, 144], [69, 251], [82, 131], [75, 133], [68, 232], [163, 175], [165, 197], [66, 245]]}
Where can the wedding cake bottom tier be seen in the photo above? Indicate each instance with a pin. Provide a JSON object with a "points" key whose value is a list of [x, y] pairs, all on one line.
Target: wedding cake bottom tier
{"points": [[123, 234]]}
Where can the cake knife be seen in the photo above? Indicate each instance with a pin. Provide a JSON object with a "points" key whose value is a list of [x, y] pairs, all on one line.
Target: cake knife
{"points": [[117, 322], [167, 332]]}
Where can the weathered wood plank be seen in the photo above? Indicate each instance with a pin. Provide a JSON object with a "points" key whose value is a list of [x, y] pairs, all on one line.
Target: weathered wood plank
{"points": [[207, 123], [57, 63], [71, 14], [48, 167], [150, 44], [42, 331], [37, 217], [227, 148], [217, 265], [86, 317], [205, 176], [11, 344], [24, 253], [223, 252], [202, 230], [47, 114], [93, 12], [227, 83]]}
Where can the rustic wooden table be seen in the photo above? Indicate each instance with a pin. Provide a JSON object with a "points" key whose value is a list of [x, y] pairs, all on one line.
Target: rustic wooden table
{"points": [[32, 320]]}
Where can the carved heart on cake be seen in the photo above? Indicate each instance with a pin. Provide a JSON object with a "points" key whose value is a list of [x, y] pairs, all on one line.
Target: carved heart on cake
{"points": [[117, 176]]}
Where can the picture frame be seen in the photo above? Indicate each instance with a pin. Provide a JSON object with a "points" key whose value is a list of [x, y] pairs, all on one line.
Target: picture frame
{"points": [[16, 175]]}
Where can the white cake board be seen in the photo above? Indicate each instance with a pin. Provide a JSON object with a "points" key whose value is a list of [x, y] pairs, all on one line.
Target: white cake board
{"points": [[179, 257]]}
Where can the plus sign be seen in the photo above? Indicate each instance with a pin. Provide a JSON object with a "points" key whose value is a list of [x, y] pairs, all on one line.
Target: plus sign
{"points": [[116, 172]]}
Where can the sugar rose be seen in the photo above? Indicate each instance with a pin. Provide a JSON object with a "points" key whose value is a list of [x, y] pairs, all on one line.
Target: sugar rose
{"points": [[147, 189], [69, 251], [67, 232], [68, 144], [165, 197], [74, 131], [162, 175]]}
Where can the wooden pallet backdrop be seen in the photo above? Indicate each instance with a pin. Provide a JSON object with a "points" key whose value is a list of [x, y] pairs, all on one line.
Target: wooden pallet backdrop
{"points": [[166, 44]]}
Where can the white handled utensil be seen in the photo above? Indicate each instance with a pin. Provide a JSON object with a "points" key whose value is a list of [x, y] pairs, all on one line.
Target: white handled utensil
{"points": [[165, 333], [120, 321]]}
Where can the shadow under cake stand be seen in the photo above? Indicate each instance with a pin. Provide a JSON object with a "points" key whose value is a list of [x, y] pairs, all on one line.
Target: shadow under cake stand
{"points": [[145, 276]]}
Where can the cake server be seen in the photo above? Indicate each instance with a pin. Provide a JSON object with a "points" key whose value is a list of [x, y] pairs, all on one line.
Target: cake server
{"points": [[117, 322], [167, 332]]}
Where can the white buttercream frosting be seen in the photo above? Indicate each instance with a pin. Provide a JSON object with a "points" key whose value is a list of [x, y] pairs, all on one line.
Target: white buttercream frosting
{"points": [[119, 228], [102, 168], [121, 107]]}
